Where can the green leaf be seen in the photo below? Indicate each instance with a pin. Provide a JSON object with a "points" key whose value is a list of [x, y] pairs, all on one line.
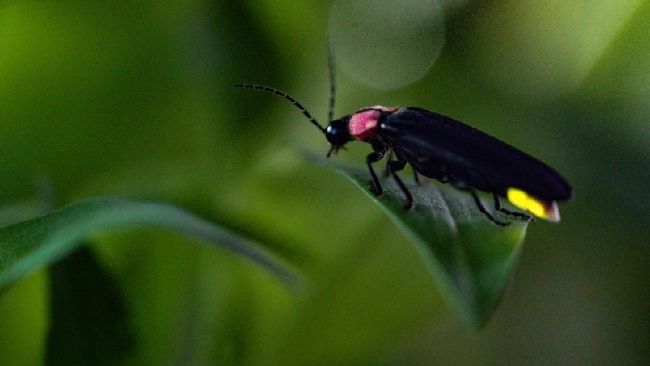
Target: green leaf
{"points": [[32, 244], [21, 211], [89, 323], [469, 257]]}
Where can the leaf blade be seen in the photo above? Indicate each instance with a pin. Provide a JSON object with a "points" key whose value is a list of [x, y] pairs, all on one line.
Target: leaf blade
{"points": [[31, 244], [469, 257]]}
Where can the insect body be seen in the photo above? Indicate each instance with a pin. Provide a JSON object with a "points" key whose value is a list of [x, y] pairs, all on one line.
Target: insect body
{"points": [[442, 148]]}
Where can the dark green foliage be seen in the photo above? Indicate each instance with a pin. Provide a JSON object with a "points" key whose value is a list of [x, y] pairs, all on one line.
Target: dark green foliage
{"points": [[470, 258], [89, 323]]}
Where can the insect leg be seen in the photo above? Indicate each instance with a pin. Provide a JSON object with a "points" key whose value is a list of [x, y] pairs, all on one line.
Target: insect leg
{"points": [[374, 157], [394, 167], [483, 210], [416, 177], [497, 206], [463, 187], [389, 158]]}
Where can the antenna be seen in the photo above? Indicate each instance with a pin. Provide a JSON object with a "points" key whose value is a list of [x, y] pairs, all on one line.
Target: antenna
{"points": [[287, 97], [332, 74]]}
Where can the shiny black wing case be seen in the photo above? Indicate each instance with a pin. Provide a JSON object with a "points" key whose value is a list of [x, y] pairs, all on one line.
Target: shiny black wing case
{"points": [[442, 148]]}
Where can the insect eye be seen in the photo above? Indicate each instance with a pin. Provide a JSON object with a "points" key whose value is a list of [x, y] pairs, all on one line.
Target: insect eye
{"points": [[337, 132]]}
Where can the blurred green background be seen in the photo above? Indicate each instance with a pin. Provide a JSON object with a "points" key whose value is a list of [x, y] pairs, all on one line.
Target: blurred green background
{"points": [[134, 99]]}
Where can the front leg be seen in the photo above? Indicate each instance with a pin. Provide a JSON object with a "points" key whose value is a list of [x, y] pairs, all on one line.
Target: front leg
{"points": [[375, 186]]}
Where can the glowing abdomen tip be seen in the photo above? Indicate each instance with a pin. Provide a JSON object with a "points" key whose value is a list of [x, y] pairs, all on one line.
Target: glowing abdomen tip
{"points": [[545, 210]]}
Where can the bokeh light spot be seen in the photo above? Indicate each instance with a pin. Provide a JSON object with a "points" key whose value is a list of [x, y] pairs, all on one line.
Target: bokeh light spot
{"points": [[386, 44]]}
